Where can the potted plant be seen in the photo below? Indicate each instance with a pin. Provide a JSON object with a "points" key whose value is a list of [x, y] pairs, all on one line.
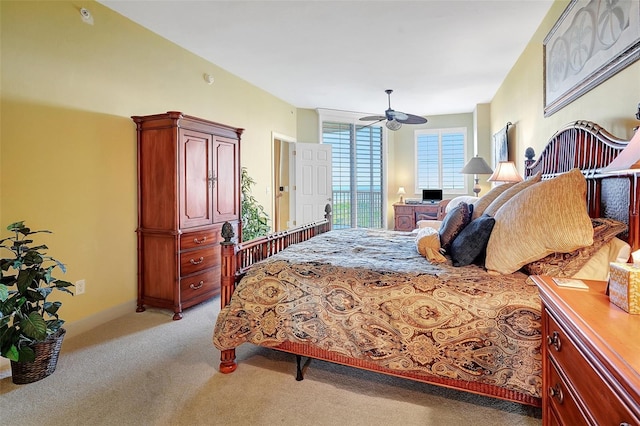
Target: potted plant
{"points": [[255, 221], [31, 332]]}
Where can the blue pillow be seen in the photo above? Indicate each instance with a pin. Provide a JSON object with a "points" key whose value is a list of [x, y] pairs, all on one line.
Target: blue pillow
{"points": [[472, 241]]}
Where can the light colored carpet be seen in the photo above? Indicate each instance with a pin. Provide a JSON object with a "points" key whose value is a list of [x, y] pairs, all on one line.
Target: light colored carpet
{"points": [[145, 369]]}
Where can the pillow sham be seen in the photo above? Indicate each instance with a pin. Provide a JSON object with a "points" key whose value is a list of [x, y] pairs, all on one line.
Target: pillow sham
{"points": [[567, 264], [597, 268], [428, 245], [550, 216], [501, 199], [471, 243], [484, 201], [453, 223]]}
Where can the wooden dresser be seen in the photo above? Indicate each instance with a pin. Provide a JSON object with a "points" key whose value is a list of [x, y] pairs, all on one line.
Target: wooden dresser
{"points": [[591, 357], [188, 186], [407, 215]]}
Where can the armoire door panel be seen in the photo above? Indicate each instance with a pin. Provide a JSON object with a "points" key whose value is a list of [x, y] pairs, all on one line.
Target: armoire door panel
{"points": [[195, 185], [226, 188]]}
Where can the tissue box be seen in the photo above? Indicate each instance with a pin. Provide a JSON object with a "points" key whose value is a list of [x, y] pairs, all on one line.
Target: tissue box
{"points": [[624, 286]]}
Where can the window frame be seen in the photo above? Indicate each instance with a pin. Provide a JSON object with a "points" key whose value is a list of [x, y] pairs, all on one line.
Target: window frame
{"points": [[440, 131]]}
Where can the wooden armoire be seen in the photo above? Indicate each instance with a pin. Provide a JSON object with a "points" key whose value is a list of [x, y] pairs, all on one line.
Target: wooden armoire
{"points": [[188, 186]]}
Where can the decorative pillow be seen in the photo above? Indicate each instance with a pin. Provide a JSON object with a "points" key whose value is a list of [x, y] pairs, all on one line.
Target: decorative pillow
{"points": [[471, 243], [484, 201], [492, 208], [567, 264], [453, 223], [597, 268], [550, 216], [428, 244]]}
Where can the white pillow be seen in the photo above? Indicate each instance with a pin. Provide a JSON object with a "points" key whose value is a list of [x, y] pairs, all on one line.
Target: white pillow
{"points": [[469, 199], [597, 268], [425, 223]]}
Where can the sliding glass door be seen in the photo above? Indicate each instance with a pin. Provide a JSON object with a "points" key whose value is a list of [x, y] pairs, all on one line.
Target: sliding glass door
{"points": [[357, 169]]}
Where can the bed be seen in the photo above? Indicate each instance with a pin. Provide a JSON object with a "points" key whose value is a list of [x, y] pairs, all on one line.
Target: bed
{"points": [[369, 298]]}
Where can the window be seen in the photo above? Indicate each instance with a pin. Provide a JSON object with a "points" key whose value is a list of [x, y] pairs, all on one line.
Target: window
{"points": [[357, 163], [439, 158]]}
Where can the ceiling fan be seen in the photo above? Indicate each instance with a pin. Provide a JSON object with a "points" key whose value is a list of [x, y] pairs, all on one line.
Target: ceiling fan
{"points": [[395, 119]]}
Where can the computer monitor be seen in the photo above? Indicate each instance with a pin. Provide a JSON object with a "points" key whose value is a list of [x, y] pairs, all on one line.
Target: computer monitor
{"points": [[431, 195]]}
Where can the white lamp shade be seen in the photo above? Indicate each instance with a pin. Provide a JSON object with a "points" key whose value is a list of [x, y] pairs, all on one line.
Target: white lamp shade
{"points": [[629, 157], [505, 172], [401, 190]]}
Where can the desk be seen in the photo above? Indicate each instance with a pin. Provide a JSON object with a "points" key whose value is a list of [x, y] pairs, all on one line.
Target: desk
{"points": [[407, 215]]}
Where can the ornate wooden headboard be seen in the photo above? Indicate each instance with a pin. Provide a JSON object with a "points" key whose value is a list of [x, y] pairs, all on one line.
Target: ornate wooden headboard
{"points": [[590, 148]]}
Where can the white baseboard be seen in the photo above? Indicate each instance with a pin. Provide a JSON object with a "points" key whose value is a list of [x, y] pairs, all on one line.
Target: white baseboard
{"points": [[92, 321]]}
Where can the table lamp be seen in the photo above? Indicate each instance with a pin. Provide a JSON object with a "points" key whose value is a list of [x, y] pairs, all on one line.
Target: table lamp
{"points": [[476, 166]]}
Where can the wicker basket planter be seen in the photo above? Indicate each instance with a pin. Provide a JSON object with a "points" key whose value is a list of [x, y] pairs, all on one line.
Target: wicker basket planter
{"points": [[45, 363]]}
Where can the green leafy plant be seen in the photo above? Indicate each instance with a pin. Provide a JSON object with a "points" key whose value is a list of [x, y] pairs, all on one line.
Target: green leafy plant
{"points": [[26, 281], [255, 221]]}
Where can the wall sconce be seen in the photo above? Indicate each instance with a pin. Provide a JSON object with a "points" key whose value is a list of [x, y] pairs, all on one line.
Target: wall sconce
{"points": [[505, 172], [476, 166], [401, 192], [208, 78]]}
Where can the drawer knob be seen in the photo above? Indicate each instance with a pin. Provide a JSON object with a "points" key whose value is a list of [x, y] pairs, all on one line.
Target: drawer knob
{"points": [[196, 262], [556, 392], [196, 286], [554, 340], [197, 241]]}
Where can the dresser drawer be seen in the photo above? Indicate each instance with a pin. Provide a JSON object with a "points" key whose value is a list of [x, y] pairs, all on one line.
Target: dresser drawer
{"points": [[597, 396], [561, 400], [200, 284], [199, 260], [195, 239]]}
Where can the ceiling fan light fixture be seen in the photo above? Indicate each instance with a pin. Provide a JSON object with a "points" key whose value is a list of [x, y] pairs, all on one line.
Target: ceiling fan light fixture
{"points": [[393, 125]]}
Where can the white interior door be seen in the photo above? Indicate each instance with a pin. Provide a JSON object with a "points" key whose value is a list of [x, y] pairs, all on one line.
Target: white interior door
{"points": [[312, 190]]}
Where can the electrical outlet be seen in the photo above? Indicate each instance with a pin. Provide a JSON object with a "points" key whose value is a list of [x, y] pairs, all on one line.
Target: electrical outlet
{"points": [[79, 287]]}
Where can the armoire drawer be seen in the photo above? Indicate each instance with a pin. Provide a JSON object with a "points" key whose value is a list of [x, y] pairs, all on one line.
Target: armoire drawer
{"points": [[198, 260], [197, 284], [195, 239]]}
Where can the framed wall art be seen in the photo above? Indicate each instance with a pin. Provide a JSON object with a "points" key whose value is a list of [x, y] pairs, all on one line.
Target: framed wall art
{"points": [[592, 41]]}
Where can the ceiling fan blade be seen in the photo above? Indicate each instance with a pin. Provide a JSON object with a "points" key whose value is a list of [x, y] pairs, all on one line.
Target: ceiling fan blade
{"points": [[409, 118], [372, 124], [373, 117]]}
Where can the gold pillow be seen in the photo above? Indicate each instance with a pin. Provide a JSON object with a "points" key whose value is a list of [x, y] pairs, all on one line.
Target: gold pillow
{"points": [[428, 244], [509, 193], [550, 216], [484, 201]]}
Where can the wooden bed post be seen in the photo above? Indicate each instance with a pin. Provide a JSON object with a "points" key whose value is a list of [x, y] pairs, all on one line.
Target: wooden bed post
{"points": [[227, 286]]}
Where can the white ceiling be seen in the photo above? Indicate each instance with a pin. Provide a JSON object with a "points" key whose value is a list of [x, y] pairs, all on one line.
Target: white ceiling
{"points": [[440, 57]]}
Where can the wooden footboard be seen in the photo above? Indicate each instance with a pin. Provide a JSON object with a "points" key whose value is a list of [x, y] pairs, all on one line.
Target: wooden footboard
{"points": [[237, 258]]}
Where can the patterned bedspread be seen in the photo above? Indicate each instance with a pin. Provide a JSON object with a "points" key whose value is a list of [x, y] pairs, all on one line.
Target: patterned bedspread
{"points": [[368, 294]]}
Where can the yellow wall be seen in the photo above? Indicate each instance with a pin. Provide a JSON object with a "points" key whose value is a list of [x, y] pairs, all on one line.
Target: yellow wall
{"points": [[67, 147], [520, 98]]}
